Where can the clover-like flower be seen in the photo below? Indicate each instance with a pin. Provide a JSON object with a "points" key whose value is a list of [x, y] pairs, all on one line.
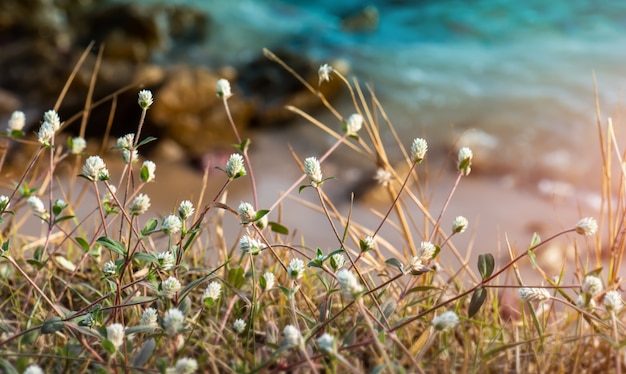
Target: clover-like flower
{"points": [[95, 169], [354, 124], [250, 245], [170, 287], [291, 336], [126, 142], [145, 99], [587, 226], [337, 261], [592, 285], [213, 291], [33, 369], [235, 166], [139, 205], [419, 147], [109, 268], [147, 171], [36, 205], [348, 283], [184, 365], [149, 317], [383, 177], [52, 117], [166, 260], [313, 171], [16, 122], [45, 135], [459, 224], [115, 334], [465, 160], [4, 203], [185, 209], [613, 302], [77, 145], [528, 294], [239, 325], [426, 251], [445, 321], [223, 89], [173, 321], [296, 268], [246, 213], [270, 280], [171, 224], [324, 73], [326, 343]]}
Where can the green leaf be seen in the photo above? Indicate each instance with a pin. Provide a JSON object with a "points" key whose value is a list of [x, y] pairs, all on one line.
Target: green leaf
{"points": [[112, 245], [286, 291], [243, 147], [486, 264], [533, 258], [146, 141], [149, 227], [535, 240], [61, 219], [5, 246], [144, 353], [235, 277], [260, 214], [83, 243], [35, 263], [278, 228], [395, 263], [147, 257], [302, 187], [478, 299], [52, 325], [7, 368], [108, 346]]}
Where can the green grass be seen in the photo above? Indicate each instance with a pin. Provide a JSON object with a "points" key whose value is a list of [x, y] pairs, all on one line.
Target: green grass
{"points": [[99, 263]]}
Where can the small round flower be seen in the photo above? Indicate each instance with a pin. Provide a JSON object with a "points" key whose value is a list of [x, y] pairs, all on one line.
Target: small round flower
{"points": [[170, 287], [4, 203], [417, 266], [426, 251], [213, 291], [185, 209], [418, 150], [145, 99], [17, 121], [326, 343], [235, 167], [613, 302], [296, 268], [527, 294], [445, 321], [383, 177], [109, 268], [33, 369], [337, 261], [313, 171], [95, 168], [459, 224], [465, 160], [292, 336], [367, 244], [77, 145], [126, 142], [171, 224], [324, 73], [223, 89], [36, 205], [45, 135], [139, 205], [252, 246], [270, 280], [246, 213], [585, 302], [348, 283], [149, 317], [592, 285], [184, 365], [130, 155], [115, 334], [147, 171], [173, 321], [587, 226], [354, 124], [52, 117], [239, 325], [166, 260]]}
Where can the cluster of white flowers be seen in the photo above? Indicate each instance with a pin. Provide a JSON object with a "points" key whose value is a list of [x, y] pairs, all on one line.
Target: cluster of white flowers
{"points": [[445, 321], [166, 260], [139, 205], [354, 124], [587, 226], [170, 287], [33, 369], [36, 205], [213, 291], [149, 317], [383, 177], [591, 287], [324, 73], [270, 280], [313, 171], [250, 245], [239, 326], [223, 89], [109, 268], [419, 263], [613, 302], [326, 343], [171, 224], [173, 321], [419, 147], [246, 213], [296, 268], [77, 145], [147, 171], [115, 334], [235, 166], [145, 99], [528, 294], [292, 337], [368, 244], [4, 203], [95, 169], [16, 122], [459, 224], [337, 261], [184, 365], [185, 209], [348, 283], [465, 160]]}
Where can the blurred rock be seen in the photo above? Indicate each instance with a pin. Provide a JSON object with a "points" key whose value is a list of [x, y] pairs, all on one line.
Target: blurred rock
{"points": [[364, 20]]}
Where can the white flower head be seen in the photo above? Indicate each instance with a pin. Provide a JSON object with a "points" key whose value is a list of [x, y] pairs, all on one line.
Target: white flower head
{"points": [[129, 156], [166, 260], [115, 334], [337, 261], [528, 294], [367, 244], [213, 291], [149, 317], [95, 169], [354, 124], [223, 89], [326, 343], [185, 209], [459, 224], [171, 224], [587, 226], [592, 285], [417, 266], [383, 177], [52, 117], [36, 205], [109, 268], [139, 205], [465, 160], [17, 121], [246, 213], [145, 99], [184, 365], [235, 166], [270, 280], [324, 73], [147, 171], [296, 268], [173, 321], [585, 302], [239, 326], [170, 287], [33, 369], [348, 283], [419, 147], [77, 145], [4, 203], [313, 171], [250, 245], [445, 321], [126, 142], [292, 337], [613, 302], [45, 135], [426, 251]]}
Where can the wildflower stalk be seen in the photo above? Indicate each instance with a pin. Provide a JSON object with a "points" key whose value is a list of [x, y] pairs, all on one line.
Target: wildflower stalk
{"points": [[445, 207]]}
